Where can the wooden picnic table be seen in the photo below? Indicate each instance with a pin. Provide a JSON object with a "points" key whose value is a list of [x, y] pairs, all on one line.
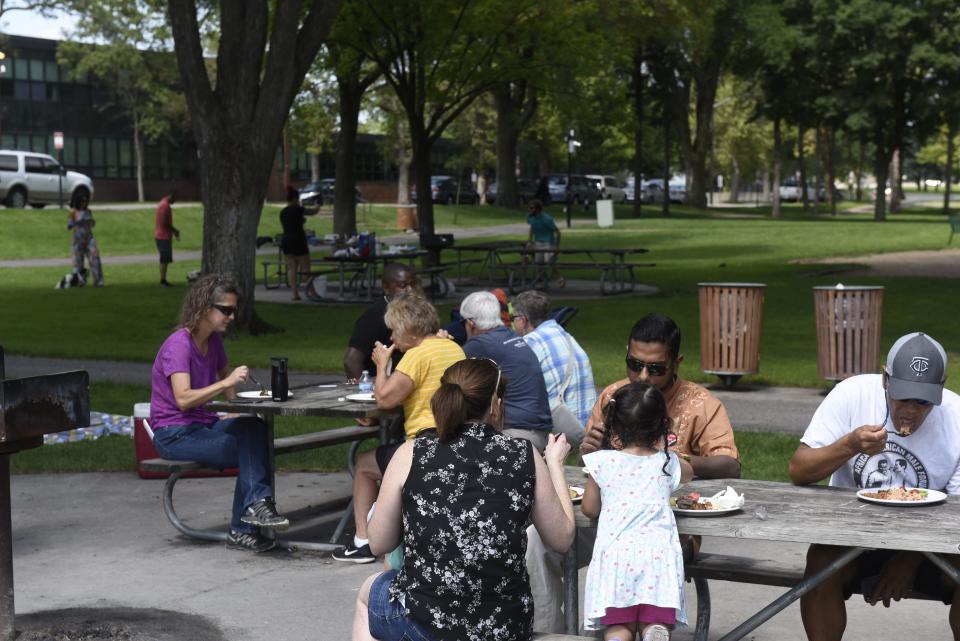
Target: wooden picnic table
{"points": [[313, 400], [364, 279], [616, 275], [491, 259], [783, 512]]}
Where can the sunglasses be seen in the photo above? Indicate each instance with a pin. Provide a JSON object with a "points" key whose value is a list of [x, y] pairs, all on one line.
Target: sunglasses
{"points": [[514, 317], [655, 369], [495, 364], [226, 310]]}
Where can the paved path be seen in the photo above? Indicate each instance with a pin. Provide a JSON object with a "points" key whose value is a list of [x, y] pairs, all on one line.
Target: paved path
{"points": [[100, 543], [751, 408]]}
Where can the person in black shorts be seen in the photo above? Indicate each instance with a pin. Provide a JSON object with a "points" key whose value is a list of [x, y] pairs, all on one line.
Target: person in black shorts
{"points": [[294, 243]]}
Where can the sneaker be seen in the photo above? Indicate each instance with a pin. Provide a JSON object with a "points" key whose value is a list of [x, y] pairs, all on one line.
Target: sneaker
{"points": [[354, 554], [263, 513], [252, 541], [164, 283], [656, 632]]}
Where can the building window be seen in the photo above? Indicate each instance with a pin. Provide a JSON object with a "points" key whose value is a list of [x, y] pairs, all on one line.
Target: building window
{"points": [[36, 70], [21, 90], [38, 91], [52, 71], [21, 69]]}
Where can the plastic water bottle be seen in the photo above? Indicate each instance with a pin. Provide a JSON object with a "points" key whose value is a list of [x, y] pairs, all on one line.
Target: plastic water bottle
{"points": [[365, 384]]}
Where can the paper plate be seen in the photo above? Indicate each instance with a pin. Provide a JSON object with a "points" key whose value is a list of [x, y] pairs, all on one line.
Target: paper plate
{"points": [[257, 394], [720, 512], [933, 496], [576, 493], [364, 397]]}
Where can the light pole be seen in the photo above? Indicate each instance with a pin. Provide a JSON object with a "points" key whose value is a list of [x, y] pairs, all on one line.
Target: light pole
{"points": [[572, 145]]}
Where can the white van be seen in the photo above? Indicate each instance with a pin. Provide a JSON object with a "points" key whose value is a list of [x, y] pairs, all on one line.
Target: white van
{"points": [[609, 187], [35, 179]]}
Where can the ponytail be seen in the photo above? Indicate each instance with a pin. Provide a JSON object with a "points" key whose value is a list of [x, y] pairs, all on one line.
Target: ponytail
{"points": [[449, 410]]}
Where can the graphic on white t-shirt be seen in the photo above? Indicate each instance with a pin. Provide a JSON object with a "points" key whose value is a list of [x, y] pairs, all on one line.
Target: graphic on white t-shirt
{"points": [[896, 466]]}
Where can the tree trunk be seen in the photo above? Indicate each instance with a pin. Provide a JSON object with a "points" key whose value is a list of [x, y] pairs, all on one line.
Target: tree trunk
{"points": [[314, 167], [861, 161], [508, 135], [831, 178], [735, 182], [777, 160], [138, 150], [881, 166], [404, 159], [665, 206], [421, 144], [696, 149], [895, 182], [948, 170], [636, 74], [482, 188], [764, 194], [350, 92], [817, 168], [802, 159]]}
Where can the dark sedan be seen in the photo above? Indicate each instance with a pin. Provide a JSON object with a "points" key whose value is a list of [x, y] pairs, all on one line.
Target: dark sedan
{"points": [[444, 190], [526, 186]]}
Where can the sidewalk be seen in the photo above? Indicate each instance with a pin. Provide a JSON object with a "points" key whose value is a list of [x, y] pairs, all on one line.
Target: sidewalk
{"points": [[751, 408], [100, 544]]}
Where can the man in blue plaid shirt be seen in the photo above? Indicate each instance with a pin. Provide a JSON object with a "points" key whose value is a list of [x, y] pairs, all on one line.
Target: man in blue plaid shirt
{"points": [[554, 347]]}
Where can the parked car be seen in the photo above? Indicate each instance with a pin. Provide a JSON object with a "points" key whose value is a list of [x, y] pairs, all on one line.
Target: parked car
{"points": [[610, 188], [526, 186], [320, 193], [790, 190], [582, 189], [35, 179], [629, 189], [444, 190], [677, 190], [651, 192]]}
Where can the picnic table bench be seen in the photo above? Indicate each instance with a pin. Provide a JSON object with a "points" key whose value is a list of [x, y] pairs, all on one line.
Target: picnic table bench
{"points": [[615, 274]]}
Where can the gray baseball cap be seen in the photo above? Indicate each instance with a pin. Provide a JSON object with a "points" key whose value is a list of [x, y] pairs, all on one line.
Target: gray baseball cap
{"points": [[916, 368]]}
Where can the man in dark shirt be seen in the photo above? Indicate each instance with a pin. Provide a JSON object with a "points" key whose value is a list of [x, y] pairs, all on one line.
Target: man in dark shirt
{"points": [[370, 327], [526, 406]]}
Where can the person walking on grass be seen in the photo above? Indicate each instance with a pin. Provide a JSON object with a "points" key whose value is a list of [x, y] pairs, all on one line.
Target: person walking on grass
{"points": [[165, 232], [81, 221], [635, 580], [544, 236], [191, 370]]}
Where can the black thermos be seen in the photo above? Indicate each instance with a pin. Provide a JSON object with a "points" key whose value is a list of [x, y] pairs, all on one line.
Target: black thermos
{"points": [[279, 385]]}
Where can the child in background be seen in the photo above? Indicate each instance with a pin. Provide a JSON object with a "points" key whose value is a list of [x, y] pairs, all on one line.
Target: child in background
{"points": [[81, 221], [635, 580]]}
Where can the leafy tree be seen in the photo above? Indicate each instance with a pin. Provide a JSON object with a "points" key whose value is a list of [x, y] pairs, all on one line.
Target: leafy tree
{"points": [[471, 134], [263, 53], [313, 115], [128, 61]]}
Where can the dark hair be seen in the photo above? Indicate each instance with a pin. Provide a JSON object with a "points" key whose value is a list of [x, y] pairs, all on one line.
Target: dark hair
{"points": [[292, 193], [79, 197], [533, 304], [657, 328], [465, 393], [636, 415], [535, 204], [206, 291]]}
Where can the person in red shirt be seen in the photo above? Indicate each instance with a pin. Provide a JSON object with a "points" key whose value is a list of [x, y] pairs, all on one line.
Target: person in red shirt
{"points": [[164, 233]]}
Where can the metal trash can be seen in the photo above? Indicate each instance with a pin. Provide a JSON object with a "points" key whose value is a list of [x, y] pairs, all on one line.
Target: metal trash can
{"points": [[407, 217], [731, 316], [848, 330]]}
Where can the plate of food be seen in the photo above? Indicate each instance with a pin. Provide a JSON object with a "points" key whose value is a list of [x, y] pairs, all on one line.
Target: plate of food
{"points": [[261, 394], [693, 504], [908, 496], [362, 397], [576, 493]]}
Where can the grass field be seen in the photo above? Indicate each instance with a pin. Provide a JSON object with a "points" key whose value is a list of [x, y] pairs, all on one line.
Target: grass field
{"points": [[128, 319]]}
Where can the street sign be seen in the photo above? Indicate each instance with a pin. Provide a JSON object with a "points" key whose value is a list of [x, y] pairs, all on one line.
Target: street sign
{"points": [[58, 140]]}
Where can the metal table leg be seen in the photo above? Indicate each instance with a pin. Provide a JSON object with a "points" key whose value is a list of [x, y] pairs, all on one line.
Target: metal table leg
{"points": [[945, 566], [791, 595], [571, 589], [6, 553]]}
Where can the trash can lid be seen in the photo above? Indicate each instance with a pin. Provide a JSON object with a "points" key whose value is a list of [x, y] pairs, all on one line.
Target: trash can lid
{"points": [[731, 284], [141, 410], [841, 287]]}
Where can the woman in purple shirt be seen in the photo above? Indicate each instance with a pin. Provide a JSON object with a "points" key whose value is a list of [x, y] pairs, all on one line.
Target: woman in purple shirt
{"points": [[190, 370]]}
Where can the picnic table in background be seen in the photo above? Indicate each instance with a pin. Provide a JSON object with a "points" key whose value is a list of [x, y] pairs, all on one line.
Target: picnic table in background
{"points": [[364, 270], [490, 259], [615, 274]]}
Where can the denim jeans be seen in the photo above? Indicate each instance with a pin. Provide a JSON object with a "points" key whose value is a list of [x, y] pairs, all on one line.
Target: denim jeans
{"points": [[232, 442], [389, 620]]}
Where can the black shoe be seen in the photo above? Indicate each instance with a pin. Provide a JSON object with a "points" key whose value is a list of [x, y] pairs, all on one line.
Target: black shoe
{"points": [[354, 554], [252, 541], [263, 513], [164, 283]]}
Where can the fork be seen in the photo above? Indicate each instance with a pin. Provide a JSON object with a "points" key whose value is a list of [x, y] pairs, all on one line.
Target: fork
{"points": [[263, 390], [894, 432]]}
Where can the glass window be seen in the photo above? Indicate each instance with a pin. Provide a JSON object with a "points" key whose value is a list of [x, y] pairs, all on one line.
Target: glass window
{"points": [[8, 162], [83, 151], [51, 71], [96, 151], [8, 142], [6, 69], [38, 91], [36, 70], [51, 166], [39, 144], [69, 151], [21, 90], [34, 165], [53, 92], [66, 74], [126, 157], [21, 68]]}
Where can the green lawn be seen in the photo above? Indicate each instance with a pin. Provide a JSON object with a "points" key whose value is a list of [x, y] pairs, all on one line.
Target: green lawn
{"points": [[128, 319]]}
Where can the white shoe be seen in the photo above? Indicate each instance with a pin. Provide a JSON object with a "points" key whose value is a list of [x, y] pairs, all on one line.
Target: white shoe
{"points": [[656, 632]]}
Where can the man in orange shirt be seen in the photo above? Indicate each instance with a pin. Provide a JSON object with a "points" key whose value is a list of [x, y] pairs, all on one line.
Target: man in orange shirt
{"points": [[704, 437], [164, 233]]}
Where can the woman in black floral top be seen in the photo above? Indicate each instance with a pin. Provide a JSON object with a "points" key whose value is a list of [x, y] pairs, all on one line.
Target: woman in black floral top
{"points": [[460, 499]]}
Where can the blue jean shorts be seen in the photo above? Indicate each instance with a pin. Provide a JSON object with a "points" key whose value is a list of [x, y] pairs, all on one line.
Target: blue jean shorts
{"points": [[389, 620]]}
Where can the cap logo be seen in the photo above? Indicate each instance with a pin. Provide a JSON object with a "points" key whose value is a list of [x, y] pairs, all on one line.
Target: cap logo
{"points": [[919, 364]]}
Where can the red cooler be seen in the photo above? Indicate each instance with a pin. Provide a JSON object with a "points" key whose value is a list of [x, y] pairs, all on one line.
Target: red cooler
{"points": [[143, 445]]}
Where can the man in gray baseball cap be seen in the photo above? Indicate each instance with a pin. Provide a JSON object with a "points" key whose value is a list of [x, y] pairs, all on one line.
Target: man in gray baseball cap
{"points": [[900, 419]]}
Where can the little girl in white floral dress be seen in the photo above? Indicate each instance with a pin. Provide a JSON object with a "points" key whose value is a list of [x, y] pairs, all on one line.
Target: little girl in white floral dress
{"points": [[635, 580]]}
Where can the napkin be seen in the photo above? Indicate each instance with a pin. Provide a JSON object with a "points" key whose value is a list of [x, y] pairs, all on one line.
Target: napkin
{"points": [[728, 499]]}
